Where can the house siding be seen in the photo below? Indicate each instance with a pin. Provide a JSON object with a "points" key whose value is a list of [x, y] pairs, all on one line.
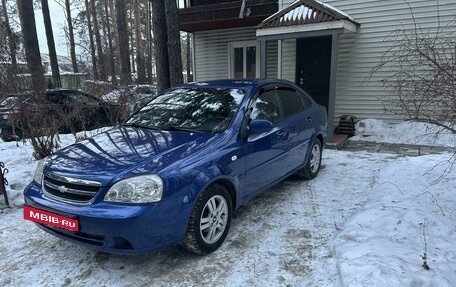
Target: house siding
{"points": [[272, 59], [358, 92], [212, 51]]}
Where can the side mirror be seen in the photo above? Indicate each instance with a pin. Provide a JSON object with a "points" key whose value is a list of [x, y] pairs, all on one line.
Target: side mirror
{"points": [[259, 126]]}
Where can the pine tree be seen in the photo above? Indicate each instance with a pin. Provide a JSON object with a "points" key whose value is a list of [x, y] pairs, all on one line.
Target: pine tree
{"points": [[32, 50], [161, 44], [51, 44], [122, 28]]}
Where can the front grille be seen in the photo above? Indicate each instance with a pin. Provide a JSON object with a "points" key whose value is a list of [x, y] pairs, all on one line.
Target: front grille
{"points": [[69, 189]]}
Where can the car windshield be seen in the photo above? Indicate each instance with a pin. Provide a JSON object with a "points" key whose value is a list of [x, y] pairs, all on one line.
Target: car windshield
{"points": [[191, 109]]}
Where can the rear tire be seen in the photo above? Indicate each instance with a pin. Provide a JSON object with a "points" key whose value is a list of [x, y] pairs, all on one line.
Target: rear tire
{"points": [[312, 167], [210, 221]]}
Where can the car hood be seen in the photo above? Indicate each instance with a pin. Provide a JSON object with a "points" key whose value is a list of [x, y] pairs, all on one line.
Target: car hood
{"points": [[114, 154]]}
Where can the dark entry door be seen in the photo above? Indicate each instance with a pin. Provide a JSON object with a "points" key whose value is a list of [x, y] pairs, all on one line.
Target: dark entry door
{"points": [[313, 67]]}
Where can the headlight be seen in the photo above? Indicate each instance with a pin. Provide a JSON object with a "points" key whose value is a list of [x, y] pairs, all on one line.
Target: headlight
{"points": [[38, 177], [140, 189]]}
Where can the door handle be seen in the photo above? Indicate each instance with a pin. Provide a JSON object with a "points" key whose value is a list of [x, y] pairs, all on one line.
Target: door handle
{"points": [[309, 119]]}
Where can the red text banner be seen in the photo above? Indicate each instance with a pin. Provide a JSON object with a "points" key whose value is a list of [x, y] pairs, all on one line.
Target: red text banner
{"points": [[49, 218]]}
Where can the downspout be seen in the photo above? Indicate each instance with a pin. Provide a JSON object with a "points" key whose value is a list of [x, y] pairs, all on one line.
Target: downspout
{"points": [[279, 59], [279, 50]]}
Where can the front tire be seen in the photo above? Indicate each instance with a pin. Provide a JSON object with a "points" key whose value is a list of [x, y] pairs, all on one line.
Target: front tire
{"points": [[312, 167], [210, 221]]}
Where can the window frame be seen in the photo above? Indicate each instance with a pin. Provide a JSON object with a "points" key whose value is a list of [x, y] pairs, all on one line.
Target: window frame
{"points": [[231, 58]]}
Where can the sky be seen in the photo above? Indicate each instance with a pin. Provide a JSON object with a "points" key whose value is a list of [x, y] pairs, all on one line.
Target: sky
{"points": [[367, 219], [58, 23]]}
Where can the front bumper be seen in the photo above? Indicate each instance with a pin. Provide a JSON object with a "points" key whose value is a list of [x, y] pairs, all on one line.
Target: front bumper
{"points": [[117, 228]]}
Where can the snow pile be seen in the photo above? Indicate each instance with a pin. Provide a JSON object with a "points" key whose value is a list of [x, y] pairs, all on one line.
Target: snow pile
{"points": [[19, 162], [406, 225], [403, 133]]}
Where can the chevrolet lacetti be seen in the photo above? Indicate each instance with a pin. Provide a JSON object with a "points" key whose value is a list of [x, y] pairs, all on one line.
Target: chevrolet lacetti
{"points": [[176, 169]]}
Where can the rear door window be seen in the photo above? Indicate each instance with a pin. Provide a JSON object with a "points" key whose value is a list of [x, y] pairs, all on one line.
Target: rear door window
{"points": [[292, 102]]}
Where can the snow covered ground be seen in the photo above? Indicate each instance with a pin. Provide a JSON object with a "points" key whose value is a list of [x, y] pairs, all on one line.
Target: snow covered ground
{"points": [[368, 219], [403, 133]]}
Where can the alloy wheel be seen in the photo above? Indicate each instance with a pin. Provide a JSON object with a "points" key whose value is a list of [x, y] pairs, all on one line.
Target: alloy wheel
{"points": [[214, 219], [315, 158]]}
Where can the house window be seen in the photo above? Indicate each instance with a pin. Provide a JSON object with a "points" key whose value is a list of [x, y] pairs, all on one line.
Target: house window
{"points": [[244, 60], [238, 63], [251, 62]]}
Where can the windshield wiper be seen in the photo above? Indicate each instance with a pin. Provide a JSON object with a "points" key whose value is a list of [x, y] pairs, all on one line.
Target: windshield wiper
{"points": [[177, 128], [135, 125]]}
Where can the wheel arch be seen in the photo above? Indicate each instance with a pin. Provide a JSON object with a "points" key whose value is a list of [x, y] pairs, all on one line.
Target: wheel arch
{"points": [[230, 187], [213, 176], [316, 136], [320, 137]]}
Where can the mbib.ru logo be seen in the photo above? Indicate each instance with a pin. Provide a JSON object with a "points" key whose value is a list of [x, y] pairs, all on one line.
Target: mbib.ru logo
{"points": [[48, 218]]}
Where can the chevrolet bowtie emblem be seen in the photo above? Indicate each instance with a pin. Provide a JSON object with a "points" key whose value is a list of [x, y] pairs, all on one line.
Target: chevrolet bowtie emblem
{"points": [[63, 189]]}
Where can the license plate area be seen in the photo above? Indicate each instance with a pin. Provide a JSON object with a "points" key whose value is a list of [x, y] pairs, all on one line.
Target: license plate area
{"points": [[48, 218]]}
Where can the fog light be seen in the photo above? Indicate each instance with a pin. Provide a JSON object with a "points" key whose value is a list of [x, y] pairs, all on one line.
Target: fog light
{"points": [[122, 243]]}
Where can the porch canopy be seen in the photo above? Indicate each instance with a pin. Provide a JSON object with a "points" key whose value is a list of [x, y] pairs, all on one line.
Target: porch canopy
{"points": [[305, 19], [304, 16]]}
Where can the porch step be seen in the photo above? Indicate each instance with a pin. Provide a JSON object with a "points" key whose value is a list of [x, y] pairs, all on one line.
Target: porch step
{"points": [[338, 141]]}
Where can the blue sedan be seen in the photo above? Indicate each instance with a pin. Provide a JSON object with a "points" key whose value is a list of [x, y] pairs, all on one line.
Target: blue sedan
{"points": [[176, 169]]}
